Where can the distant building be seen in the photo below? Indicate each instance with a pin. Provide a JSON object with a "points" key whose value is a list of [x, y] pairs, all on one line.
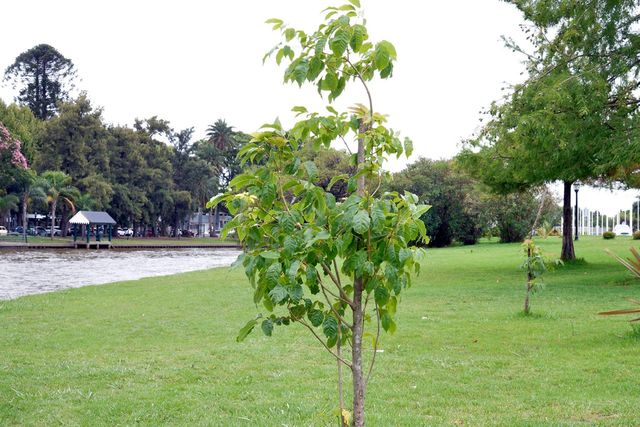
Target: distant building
{"points": [[199, 223]]}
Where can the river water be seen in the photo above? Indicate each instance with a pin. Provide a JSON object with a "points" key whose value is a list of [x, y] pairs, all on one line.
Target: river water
{"points": [[36, 271]]}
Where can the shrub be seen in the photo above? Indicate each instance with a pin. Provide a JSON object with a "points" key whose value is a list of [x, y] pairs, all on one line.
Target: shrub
{"points": [[608, 235], [636, 235], [554, 233]]}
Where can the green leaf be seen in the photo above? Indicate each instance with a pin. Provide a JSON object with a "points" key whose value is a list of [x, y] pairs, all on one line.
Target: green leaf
{"points": [[358, 37], [288, 223], [384, 53], [387, 323], [295, 292], [361, 222], [316, 317], [356, 3], [377, 218], [392, 306], [267, 327], [329, 82], [277, 23], [293, 270], [408, 146], [299, 109], [273, 274], [404, 254], [246, 330], [312, 279], [336, 178], [315, 68], [289, 34], [270, 255], [340, 41], [290, 245], [382, 295], [330, 327], [312, 170], [278, 294]]}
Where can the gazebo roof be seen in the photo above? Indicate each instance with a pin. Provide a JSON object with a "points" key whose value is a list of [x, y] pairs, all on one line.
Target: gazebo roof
{"points": [[92, 217]]}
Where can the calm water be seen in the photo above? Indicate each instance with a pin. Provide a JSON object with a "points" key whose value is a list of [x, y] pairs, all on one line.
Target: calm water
{"points": [[34, 272]]}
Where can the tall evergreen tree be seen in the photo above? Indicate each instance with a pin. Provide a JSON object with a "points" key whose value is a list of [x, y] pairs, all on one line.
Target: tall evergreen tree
{"points": [[43, 77]]}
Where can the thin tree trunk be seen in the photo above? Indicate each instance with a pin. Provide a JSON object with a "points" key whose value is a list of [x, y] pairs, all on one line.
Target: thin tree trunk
{"points": [[568, 252], [358, 315], [53, 216]]}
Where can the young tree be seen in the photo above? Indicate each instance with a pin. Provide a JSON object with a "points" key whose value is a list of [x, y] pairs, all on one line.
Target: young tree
{"points": [[295, 233], [43, 76]]}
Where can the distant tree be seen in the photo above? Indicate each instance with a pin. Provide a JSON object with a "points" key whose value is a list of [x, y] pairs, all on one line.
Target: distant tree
{"points": [[221, 135], [330, 163], [574, 116], [75, 141], [43, 76], [8, 203], [23, 125], [11, 158], [456, 207]]}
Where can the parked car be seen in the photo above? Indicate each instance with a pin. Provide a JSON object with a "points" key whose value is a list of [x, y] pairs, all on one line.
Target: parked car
{"points": [[125, 232], [19, 229], [3, 231], [47, 232]]}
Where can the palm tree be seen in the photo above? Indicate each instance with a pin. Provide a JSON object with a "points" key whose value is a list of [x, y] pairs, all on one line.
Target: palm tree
{"points": [[57, 187], [8, 203], [27, 180], [221, 135]]}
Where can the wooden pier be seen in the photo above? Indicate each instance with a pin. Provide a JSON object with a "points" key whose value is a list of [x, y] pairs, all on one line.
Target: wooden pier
{"points": [[92, 245]]}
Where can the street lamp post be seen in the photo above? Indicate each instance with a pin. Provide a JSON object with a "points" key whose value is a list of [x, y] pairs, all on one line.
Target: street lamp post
{"points": [[576, 188]]}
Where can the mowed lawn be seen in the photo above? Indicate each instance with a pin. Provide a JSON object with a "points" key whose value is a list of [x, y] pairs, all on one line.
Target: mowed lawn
{"points": [[162, 351]]}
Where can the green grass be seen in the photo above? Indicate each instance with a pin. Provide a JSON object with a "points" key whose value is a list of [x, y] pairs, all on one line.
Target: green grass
{"points": [[162, 351]]}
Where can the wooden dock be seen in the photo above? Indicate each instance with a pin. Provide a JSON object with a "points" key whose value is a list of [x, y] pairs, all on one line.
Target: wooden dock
{"points": [[92, 245], [110, 245]]}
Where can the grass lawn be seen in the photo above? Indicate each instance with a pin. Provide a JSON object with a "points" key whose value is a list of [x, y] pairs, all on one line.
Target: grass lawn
{"points": [[162, 351]]}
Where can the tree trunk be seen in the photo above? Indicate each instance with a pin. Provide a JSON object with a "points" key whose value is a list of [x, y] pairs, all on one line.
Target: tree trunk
{"points": [[53, 216], [214, 221], [64, 217], [568, 252], [358, 315]]}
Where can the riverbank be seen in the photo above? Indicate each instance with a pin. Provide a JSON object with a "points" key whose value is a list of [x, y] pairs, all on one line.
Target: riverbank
{"points": [[146, 243], [162, 350]]}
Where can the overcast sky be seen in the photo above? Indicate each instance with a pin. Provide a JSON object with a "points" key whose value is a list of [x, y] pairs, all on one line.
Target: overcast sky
{"points": [[193, 62]]}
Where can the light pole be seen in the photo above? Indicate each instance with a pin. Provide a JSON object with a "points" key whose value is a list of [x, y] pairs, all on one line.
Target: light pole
{"points": [[576, 188]]}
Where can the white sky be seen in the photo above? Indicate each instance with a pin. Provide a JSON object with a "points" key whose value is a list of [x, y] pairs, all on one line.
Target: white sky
{"points": [[192, 62]]}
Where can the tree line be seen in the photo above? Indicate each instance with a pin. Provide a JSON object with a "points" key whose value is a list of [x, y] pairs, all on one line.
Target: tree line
{"points": [[59, 155]]}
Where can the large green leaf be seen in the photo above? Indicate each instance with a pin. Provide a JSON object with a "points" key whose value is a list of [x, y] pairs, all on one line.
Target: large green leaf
{"points": [[340, 41], [316, 317], [246, 329], [361, 222], [278, 294], [330, 327]]}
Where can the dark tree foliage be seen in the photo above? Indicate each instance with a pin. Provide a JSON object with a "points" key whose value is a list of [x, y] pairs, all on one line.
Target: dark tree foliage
{"points": [[455, 212], [330, 163], [43, 77]]}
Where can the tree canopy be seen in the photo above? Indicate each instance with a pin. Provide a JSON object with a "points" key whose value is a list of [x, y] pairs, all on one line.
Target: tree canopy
{"points": [[43, 77]]}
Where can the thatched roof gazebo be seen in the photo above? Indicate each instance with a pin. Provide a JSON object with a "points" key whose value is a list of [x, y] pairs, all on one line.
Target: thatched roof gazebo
{"points": [[90, 219]]}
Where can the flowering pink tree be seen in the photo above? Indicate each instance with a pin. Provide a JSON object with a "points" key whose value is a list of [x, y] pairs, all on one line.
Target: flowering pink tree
{"points": [[13, 145]]}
